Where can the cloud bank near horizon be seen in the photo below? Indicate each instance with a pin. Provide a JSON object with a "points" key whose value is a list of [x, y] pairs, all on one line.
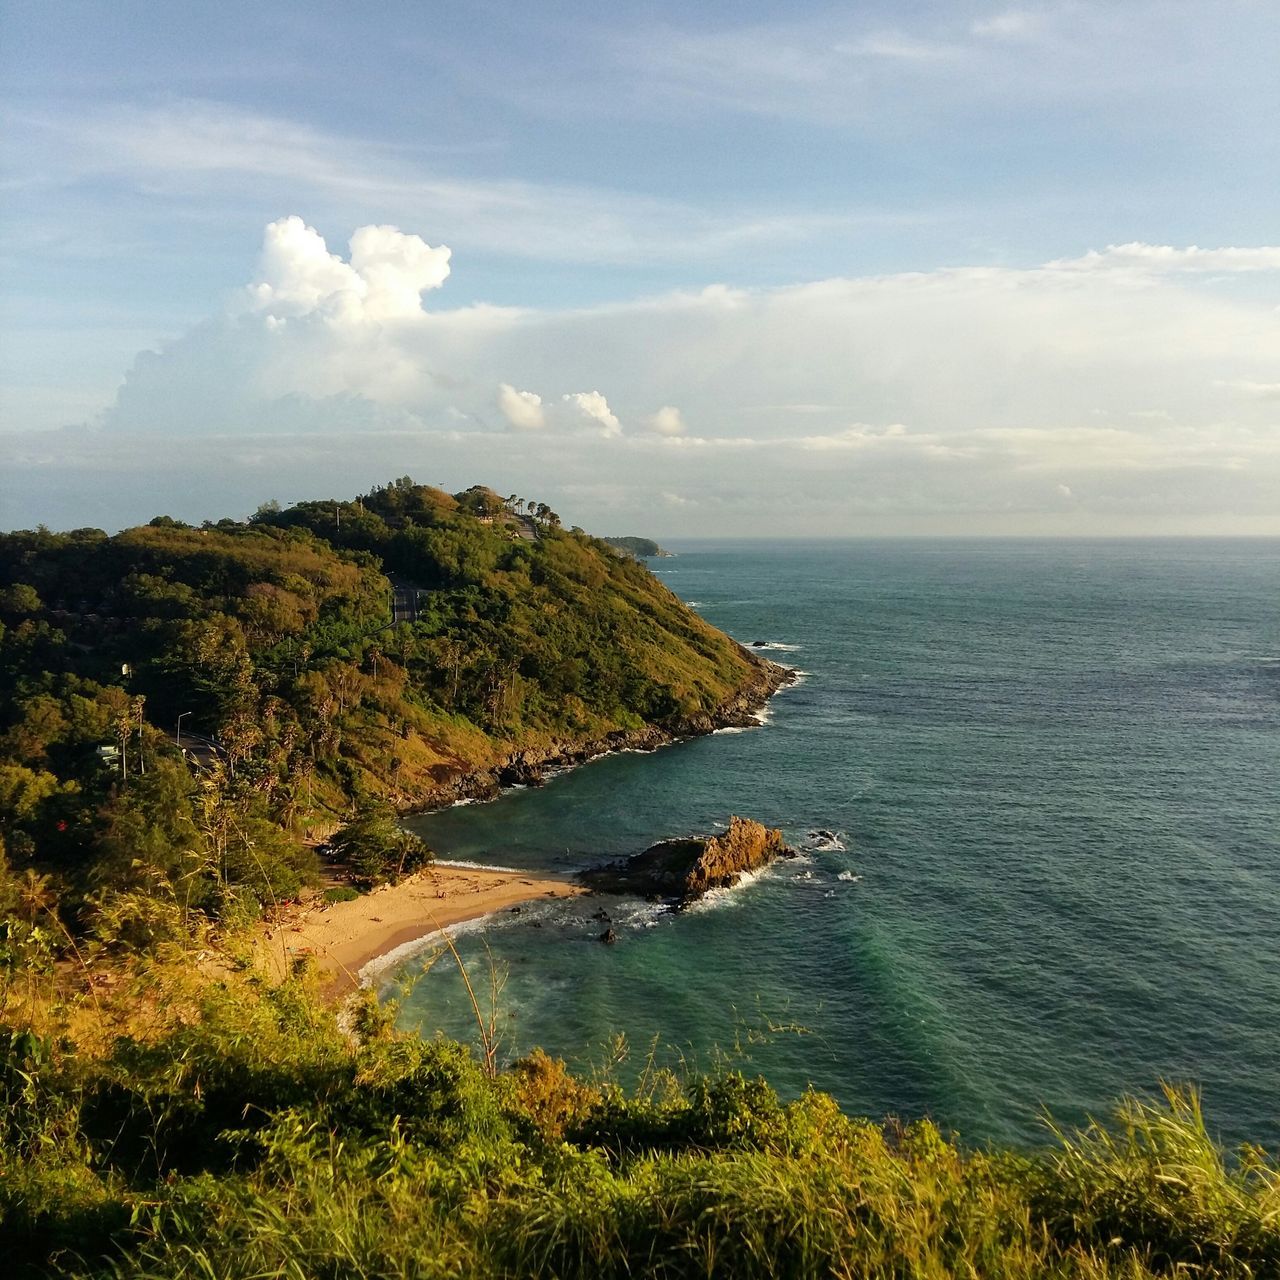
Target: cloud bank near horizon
{"points": [[1126, 389]]}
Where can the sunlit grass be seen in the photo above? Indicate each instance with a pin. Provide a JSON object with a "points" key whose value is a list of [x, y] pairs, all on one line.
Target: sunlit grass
{"points": [[234, 1129]]}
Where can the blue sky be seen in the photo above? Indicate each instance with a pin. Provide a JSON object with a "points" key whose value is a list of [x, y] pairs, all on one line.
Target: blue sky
{"points": [[870, 238]]}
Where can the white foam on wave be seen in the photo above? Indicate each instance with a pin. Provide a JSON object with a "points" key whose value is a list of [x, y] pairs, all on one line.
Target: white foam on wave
{"points": [[849, 877], [645, 915], [732, 896], [378, 969], [779, 647], [481, 866]]}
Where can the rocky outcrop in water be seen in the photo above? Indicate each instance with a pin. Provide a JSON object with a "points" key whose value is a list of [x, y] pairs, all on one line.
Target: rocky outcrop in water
{"points": [[685, 869]]}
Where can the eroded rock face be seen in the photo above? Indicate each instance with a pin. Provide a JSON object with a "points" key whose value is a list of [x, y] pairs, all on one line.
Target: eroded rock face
{"points": [[683, 870]]}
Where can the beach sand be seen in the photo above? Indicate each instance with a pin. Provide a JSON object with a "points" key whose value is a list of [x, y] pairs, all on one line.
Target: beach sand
{"points": [[343, 937]]}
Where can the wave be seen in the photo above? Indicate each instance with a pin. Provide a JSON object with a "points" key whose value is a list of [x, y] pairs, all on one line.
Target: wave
{"points": [[730, 897], [481, 866], [644, 915], [778, 646], [849, 877], [379, 968], [617, 913]]}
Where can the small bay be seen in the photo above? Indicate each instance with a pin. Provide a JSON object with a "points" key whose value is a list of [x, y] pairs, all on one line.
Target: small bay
{"points": [[1052, 768]]}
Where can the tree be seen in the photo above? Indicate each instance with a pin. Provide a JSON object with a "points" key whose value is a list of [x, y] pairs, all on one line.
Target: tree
{"points": [[376, 849], [19, 600]]}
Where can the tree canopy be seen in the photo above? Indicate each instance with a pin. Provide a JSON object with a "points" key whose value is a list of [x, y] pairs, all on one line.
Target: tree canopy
{"points": [[198, 701]]}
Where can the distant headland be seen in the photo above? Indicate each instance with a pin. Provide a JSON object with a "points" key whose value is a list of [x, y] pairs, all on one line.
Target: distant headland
{"points": [[640, 548]]}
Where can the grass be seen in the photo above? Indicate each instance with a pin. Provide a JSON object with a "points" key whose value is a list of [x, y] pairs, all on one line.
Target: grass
{"points": [[228, 1128]]}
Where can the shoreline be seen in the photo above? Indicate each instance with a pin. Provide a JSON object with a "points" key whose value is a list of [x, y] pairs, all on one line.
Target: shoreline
{"points": [[344, 938], [530, 767]]}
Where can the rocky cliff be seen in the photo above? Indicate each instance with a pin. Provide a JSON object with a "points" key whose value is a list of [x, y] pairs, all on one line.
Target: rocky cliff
{"points": [[685, 869]]}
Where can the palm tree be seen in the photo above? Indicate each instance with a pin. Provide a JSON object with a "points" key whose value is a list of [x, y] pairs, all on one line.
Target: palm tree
{"points": [[35, 896]]}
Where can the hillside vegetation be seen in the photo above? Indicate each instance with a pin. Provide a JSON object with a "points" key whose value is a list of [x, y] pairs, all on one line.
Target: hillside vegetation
{"points": [[316, 662]]}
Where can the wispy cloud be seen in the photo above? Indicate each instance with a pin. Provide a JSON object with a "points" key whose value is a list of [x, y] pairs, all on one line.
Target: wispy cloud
{"points": [[849, 66], [1011, 24], [1159, 258], [1251, 389], [182, 148]]}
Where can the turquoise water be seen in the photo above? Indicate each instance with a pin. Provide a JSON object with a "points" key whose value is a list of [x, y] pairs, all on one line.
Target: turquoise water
{"points": [[1053, 768]]}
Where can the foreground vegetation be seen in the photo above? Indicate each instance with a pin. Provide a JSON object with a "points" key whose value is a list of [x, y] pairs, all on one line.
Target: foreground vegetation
{"points": [[189, 1123]]}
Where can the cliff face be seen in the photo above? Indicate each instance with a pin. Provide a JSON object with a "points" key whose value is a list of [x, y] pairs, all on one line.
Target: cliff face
{"points": [[686, 869]]}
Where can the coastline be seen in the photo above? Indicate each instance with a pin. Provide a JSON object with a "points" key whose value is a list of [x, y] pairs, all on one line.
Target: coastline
{"points": [[529, 767], [342, 938]]}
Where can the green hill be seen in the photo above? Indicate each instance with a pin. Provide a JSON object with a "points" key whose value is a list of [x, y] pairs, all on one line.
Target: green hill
{"points": [[402, 648]]}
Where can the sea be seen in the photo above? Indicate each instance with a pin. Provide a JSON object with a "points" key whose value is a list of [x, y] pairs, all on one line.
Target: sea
{"points": [[1034, 789]]}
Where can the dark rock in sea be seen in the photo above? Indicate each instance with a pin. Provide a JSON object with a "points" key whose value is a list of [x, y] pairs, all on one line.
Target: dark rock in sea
{"points": [[601, 915], [608, 937], [820, 840], [520, 771], [759, 644], [684, 870]]}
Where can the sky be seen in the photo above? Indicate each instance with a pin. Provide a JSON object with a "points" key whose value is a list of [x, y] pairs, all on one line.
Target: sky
{"points": [[741, 269]]}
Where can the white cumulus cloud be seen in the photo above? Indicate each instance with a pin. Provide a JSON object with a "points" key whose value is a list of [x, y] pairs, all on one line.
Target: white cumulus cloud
{"points": [[397, 270], [595, 408], [667, 421], [522, 409], [384, 280]]}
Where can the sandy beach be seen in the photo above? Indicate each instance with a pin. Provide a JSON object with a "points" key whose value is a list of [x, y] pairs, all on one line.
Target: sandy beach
{"points": [[343, 937]]}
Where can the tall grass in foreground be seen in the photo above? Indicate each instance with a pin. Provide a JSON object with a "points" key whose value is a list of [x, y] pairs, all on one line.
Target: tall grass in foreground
{"points": [[236, 1132]]}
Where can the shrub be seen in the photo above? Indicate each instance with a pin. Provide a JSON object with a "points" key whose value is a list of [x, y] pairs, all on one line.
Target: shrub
{"points": [[376, 849]]}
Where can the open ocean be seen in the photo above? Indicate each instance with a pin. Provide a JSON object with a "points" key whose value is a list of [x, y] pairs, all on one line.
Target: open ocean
{"points": [[1053, 770]]}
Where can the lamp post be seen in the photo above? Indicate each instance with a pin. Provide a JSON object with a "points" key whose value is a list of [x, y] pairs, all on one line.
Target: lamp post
{"points": [[177, 736]]}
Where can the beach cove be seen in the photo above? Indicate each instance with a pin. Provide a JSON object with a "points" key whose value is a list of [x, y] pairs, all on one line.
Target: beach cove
{"points": [[343, 939]]}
